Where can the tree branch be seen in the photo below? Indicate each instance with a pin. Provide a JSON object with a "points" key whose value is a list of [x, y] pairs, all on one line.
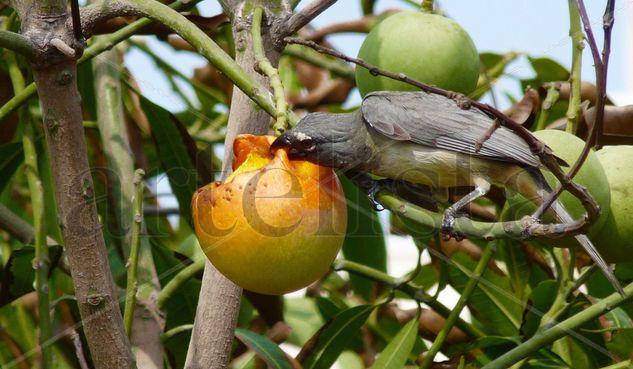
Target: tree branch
{"points": [[56, 76], [299, 19], [16, 42], [98, 13]]}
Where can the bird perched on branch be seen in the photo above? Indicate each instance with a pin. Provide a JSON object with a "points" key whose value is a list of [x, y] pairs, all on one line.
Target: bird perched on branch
{"points": [[427, 139]]}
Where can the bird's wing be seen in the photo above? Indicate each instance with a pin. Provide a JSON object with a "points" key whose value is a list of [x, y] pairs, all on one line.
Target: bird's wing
{"points": [[436, 121]]}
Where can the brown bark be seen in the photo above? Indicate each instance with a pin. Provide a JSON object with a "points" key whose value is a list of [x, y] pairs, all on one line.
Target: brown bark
{"points": [[94, 288], [55, 73]]}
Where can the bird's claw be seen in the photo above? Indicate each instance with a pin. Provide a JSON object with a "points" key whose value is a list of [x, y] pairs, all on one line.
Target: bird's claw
{"points": [[448, 226], [376, 186]]}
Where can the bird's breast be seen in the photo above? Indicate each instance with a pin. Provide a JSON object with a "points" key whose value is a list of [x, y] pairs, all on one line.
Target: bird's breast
{"points": [[431, 166]]}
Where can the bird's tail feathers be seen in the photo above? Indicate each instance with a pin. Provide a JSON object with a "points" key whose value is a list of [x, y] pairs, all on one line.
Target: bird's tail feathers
{"points": [[563, 215]]}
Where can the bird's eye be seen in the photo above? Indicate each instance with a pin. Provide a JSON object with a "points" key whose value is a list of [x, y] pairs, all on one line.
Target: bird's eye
{"points": [[308, 144]]}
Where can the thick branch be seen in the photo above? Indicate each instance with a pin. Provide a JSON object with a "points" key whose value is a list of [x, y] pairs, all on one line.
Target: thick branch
{"points": [[56, 77], [94, 288]]}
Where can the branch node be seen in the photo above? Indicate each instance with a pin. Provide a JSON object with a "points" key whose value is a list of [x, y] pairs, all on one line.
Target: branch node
{"points": [[63, 47]]}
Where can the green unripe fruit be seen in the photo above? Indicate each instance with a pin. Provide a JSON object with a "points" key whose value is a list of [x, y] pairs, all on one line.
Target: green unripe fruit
{"points": [[615, 239], [427, 47], [591, 176]]}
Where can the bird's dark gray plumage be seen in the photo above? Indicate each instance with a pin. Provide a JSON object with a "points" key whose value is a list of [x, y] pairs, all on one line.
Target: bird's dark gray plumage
{"points": [[436, 121]]}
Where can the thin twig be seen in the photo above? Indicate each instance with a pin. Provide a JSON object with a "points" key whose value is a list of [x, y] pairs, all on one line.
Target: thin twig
{"points": [[459, 306], [76, 18], [132, 267], [536, 146], [281, 106], [178, 280], [575, 32], [175, 331], [16, 42], [79, 349], [303, 17], [416, 292]]}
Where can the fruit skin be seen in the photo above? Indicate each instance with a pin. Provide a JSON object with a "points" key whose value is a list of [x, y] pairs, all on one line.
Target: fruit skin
{"points": [[592, 176], [275, 225], [430, 48], [615, 239]]}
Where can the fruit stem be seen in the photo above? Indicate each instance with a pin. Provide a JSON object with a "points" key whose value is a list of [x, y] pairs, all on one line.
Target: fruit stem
{"points": [[426, 6]]}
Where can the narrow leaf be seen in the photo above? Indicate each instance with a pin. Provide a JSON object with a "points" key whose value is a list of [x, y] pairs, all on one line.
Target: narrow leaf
{"points": [[11, 156], [322, 350], [173, 154], [396, 352], [266, 349], [491, 303]]}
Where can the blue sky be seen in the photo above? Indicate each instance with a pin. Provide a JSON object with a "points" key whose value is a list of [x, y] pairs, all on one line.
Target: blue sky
{"points": [[539, 28]]}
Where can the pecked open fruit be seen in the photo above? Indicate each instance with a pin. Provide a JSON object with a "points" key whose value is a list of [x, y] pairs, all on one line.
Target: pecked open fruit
{"points": [[275, 225]]}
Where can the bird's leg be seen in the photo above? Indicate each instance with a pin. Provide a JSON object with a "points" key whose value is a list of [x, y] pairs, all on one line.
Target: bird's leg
{"points": [[482, 187], [376, 187], [369, 185]]}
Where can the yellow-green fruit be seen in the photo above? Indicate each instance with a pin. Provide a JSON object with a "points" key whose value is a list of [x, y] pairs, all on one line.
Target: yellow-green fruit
{"points": [[430, 48], [615, 239], [592, 176]]}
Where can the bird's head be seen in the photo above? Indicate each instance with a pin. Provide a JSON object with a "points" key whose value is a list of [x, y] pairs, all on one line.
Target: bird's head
{"points": [[321, 138]]}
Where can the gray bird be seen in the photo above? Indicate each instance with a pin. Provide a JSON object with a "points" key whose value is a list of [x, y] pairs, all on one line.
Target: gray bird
{"points": [[426, 139]]}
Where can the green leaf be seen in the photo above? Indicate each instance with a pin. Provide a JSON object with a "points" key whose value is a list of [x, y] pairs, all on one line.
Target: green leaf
{"points": [[396, 353], [548, 70], [327, 308], [266, 349], [173, 154], [50, 207], [365, 239], [491, 302], [322, 350], [516, 262], [11, 156], [302, 315], [86, 86], [540, 301], [621, 343], [18, 274]]}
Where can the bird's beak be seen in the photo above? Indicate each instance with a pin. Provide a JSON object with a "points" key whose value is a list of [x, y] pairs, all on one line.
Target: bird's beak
{"points": [[282, 142]]}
